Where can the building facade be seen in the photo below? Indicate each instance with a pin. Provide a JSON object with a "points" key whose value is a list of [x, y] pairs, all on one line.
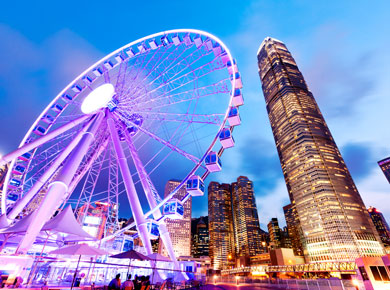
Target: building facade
{"points": [[275, 234], [200, 237], [221, 247], [293, 228], [384, 164], [234, 228], [246, 225], [179, 230], [332, 215], [381, 225]]}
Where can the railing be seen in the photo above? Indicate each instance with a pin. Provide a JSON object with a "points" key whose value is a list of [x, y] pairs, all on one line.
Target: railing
{"points": [[313, 267], [301, 284]]}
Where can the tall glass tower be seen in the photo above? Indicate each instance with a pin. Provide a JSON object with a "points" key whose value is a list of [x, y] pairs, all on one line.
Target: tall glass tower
{"points": [[246, 219], [332, 215], [220, 225]]}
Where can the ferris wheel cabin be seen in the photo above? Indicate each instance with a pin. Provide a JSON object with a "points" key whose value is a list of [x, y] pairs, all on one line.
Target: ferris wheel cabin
{"points": [[234, 117], [195, 186], [213, 162], [237, 80], [174, 209], [226, 138], [153, 229], [19, 169], [237, 98]]}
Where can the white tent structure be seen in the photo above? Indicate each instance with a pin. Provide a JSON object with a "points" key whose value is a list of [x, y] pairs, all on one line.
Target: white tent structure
{"points": [[62, 228]]}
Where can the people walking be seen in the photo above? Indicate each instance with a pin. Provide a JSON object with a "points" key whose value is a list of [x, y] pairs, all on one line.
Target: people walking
{"points": [[115, 283]]}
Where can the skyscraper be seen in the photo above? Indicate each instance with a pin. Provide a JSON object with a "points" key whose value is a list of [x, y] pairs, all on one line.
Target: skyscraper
{"points": [[380, 224], [245, 217], [179, 230], [275, 234], [200, 237], [332, 215], [221, 245], [293, 228], [234, 227], [385, 166]]}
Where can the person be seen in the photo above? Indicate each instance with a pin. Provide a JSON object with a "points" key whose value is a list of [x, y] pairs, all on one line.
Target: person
{"points": [[115, 283], [146, 282], [128, 284], [137, 283]]}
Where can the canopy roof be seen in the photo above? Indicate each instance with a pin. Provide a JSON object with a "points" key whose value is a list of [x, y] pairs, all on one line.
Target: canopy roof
{"points": [[131, 255], [79, 249], [158, 257], [63, 223]]}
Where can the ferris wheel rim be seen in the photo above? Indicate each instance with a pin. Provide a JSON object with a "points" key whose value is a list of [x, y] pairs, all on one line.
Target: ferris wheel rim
{"points": [[99, 62]]}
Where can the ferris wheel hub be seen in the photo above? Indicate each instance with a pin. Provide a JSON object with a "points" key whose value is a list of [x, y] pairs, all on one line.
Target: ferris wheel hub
{"points": [[99, 98]]}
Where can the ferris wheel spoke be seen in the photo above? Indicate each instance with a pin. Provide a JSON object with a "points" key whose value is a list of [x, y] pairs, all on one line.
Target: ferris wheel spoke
{"points": [[80, 173], [166, 63], [169, 73], [90, 181], [175, 68], [214, 119], [47, 174], [151, 193], [45, 138], [164, 100], [167, 144], [181, 81]]}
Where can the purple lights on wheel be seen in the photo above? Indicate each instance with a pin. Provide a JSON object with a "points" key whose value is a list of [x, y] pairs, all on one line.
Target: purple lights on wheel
{"points": [[162, 100]]}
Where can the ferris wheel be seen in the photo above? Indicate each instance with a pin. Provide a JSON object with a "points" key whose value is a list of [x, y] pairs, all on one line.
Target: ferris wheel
{"points": [[161, 107]]}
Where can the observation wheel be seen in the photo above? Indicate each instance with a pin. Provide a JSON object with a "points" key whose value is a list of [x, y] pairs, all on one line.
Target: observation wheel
{"points": [[161, 107]]}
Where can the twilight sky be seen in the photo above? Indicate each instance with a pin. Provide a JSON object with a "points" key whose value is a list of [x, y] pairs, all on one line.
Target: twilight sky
{"points": [[341, 47]]}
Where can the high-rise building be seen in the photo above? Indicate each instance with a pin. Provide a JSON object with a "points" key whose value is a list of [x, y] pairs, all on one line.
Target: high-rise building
{"points": [[233, 223], [380, 224], [200, 237], [221, 247], [385, 166], [275, 234], [293, 228], [179, 230], [334, 221], [245, 217]]}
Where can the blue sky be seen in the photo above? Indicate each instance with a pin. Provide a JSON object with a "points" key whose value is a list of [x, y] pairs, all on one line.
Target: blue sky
{"points": [[340, 46]]}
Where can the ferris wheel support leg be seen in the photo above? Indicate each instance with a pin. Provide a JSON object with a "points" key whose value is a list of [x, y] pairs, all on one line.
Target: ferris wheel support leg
{"points": [[58, 189], [147, 186], [29, 146], [132, 196], [19, 206]]}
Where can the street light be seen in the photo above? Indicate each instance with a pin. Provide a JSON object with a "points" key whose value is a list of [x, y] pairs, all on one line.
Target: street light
{"points": [[355, 282]]}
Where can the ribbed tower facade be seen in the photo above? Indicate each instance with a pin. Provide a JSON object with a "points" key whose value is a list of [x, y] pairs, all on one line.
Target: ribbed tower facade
{"points": [[220, 225], [246, 220], [334, 221]]}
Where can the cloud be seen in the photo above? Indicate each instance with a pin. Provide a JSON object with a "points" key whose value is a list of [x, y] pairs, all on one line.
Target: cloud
{"points": [[375, 191], [36, 73], [339, 77], [271, 204], [359, 159]]}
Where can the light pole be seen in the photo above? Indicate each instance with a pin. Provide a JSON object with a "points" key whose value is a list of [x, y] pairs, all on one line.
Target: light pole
{"points": [[355, 282]]}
